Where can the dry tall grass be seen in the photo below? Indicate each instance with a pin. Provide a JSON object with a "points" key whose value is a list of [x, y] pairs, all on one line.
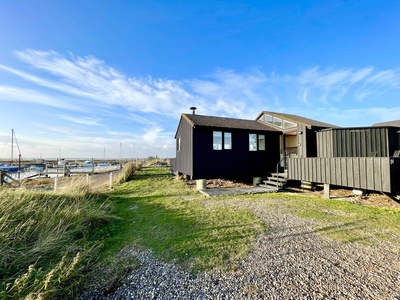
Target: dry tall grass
{"points": [[128, 172], [45, 240]]}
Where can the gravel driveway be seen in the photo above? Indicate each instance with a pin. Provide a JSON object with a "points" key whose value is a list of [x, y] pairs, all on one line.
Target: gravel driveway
{"points": [[290, 261]]}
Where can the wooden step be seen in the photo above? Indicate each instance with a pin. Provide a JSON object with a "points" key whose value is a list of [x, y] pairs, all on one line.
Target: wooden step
{"points": [[279, 179], [284, 174], [280, 175], [273, 183]]}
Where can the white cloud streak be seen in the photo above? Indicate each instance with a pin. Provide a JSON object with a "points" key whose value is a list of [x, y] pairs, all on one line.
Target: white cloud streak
{"points": [[223, 93], [92, 121], [8, 93]]}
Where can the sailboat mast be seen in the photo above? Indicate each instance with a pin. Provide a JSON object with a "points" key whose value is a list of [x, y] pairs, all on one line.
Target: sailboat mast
{"points": [[12, 144]]}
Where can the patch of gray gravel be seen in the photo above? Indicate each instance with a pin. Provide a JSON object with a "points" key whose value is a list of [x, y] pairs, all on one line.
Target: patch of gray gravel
{"points": [[289, 261]]}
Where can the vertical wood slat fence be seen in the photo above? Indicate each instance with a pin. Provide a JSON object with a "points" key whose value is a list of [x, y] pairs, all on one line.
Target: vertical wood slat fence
{"points": [[369, 173]]}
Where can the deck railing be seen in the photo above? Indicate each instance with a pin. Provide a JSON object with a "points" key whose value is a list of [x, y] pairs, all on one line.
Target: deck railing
{"points": [[369, 173]]}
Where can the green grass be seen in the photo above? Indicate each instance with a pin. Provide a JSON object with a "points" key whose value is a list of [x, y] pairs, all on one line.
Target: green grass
{"points": [[155, 211]]}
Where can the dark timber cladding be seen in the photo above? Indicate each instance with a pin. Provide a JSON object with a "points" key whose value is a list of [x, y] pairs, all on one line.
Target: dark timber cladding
{"points": [[198, 158], [369, 173], [358, 142], [184, 155]]}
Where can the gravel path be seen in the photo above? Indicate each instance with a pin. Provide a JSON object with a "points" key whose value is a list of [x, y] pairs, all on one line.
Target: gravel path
{"points": [[289, 261]]}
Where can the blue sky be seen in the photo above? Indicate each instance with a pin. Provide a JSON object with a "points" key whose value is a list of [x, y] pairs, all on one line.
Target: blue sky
{"points": [[82, 79]]}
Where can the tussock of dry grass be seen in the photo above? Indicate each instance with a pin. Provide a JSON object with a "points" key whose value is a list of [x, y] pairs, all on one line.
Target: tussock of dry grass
{"points": [[128, 172]]}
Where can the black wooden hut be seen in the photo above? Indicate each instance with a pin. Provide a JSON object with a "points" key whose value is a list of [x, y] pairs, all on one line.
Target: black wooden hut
{"points": [[216, 147]]}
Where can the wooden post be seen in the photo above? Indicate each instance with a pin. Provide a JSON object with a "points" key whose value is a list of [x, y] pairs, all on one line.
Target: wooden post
{"points": [[256, 181], [55, 183], [111, 180], [201, 184], [1, 178], [327, 190], [87, 178]]}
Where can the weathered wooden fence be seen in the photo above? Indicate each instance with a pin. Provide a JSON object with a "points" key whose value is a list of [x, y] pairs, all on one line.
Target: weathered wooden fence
{"points": [[369, 173]]}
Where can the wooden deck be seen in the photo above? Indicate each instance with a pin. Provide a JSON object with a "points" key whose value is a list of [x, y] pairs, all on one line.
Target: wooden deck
{"points": [[369, 173]]}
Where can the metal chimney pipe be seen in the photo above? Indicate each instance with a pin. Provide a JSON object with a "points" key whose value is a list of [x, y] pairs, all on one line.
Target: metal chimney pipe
{"points": [[193, 109]]}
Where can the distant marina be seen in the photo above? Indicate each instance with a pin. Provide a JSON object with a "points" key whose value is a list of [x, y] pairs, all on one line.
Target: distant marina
{"points": [[58, 167]]}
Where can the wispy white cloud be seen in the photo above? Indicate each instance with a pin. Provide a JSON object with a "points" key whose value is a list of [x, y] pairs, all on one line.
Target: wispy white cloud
{"points": [[329, 85], [16, 94], [152, 135], [92, 121], [92, 79], [225, 92], [230, 92]]}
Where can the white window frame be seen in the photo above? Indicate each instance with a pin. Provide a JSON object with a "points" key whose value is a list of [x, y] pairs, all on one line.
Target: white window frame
{"points": [[252, 141], [228, 136], [261, 142], [217, 144]]}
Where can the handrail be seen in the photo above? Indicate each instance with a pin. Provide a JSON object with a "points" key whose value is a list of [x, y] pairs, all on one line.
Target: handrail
{"points": [[277, 171], [4, 175]]}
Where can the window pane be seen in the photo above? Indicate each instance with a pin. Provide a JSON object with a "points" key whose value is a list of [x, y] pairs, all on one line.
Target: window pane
{"points": [[227, 140], [217, 140], [278, 122], [261, 142], [178, 144], [268, 119], [253, 142], [288, 124]]}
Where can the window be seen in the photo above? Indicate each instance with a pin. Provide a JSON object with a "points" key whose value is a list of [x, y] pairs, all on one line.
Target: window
{"points": [[261, 142], [253, 142], [288, 124], [256, 142], [227, 140], [217, 140], [268, 119], [278, 122], [178, 144]]}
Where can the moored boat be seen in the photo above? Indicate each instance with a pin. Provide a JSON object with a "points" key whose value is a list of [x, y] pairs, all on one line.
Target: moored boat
{"points": [[10, 168]]}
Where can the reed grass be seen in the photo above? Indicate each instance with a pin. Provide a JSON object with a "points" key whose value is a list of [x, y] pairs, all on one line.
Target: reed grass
{"points": [[128, 172], [45, 243]]}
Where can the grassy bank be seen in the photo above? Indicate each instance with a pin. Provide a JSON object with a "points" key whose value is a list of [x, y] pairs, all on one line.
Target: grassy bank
{"points": [[46, 238], [45, 243]]}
